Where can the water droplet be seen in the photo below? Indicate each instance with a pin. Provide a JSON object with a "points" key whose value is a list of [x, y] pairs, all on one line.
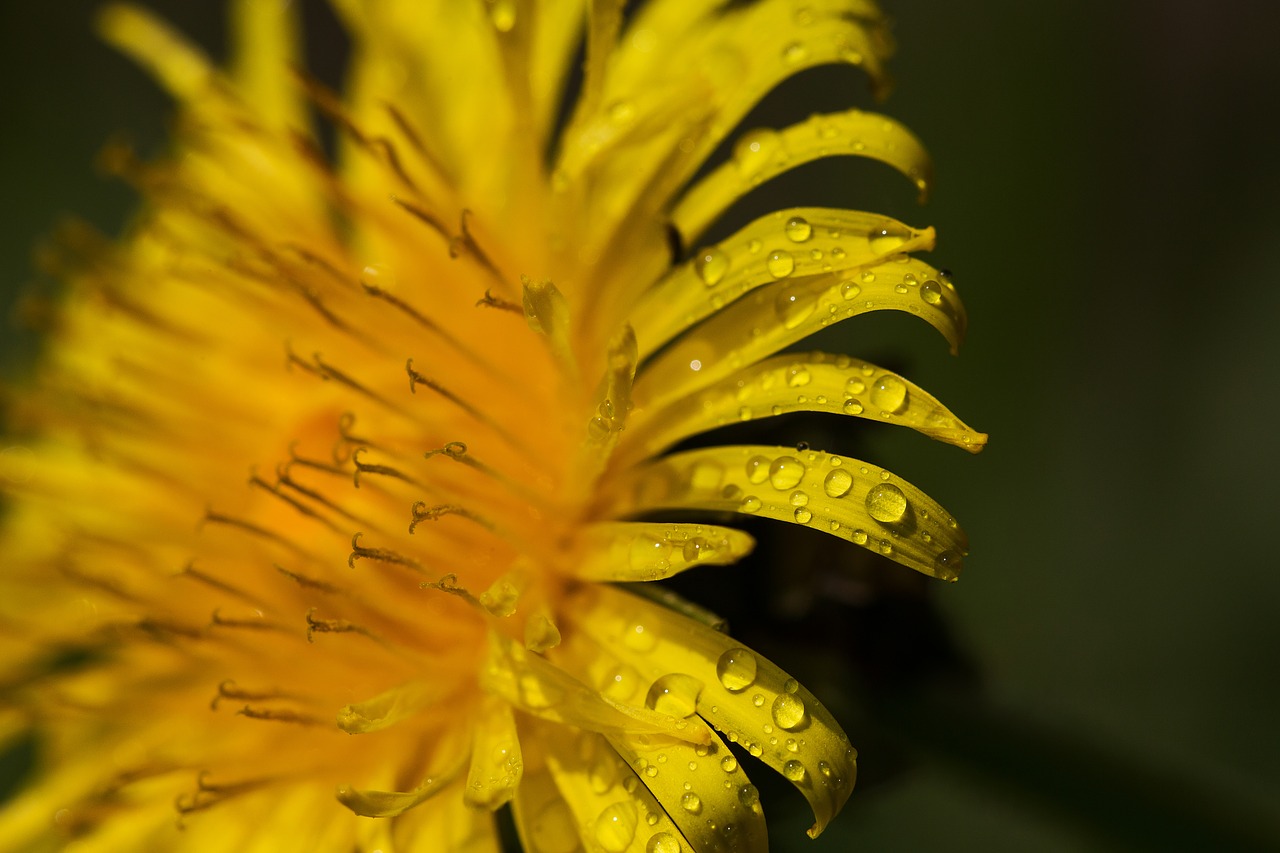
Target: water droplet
{"points": [[697, 548], [798, 229], [503, 15], [728, 764], [750, 503], [849, 290], [802, 516], [663, 842], [859, 537], [749, 796], [758, 700], [792, 746], [780, 264], [799, 498], [754, 246], [794, 304], [794, 771], [379, 276], [638, 638], [711, 264], [621, 112], [789, 711], [757, 149], [736, 669], [554, 830], [947, 565], [676, 694], [837, 483], [786, 472], [649, 554], [852, 406], [795, 53], [798, 376], [691, 803], [616, 826], [758, 469], [887, 238], [899, 288], [931, 292], [890, 394], [886, 503]]}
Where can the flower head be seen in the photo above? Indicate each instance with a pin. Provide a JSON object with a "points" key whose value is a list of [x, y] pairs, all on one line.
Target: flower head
{"points": [[450, 366]]}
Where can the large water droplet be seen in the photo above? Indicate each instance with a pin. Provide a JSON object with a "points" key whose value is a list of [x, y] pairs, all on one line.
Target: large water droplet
{"points": [[890, 394], [663, 842], [837, 483], [794, 771], [736, 669], [798, 229], [789, 711], [780, 263], [711, 264], [758, 468], [691, 803], [616, 826], [794, 304], [802, 516], [931, 292], [749, 796], [750, 504], [676, 694], [786, 472], [728, 764], [886, 503]]}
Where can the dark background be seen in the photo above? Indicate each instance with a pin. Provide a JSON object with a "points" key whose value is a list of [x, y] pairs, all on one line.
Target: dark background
{"points": [[1105, 674]]}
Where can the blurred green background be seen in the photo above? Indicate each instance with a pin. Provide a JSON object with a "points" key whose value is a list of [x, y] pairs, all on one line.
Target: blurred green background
{"points": [[1105, 674]]}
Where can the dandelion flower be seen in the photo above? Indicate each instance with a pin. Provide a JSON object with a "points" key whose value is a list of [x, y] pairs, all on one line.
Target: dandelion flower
{"points": [[451, 367]]}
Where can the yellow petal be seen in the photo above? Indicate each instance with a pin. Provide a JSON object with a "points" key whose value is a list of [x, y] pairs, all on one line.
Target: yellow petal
{"points": [[388, 708], [639, 551], [843, 497], [445, 765], [267, 46], [800, 382], [496, 762], [787, 245], [690, 666], [583, 789], [762, 154], [773, 317], [541, 689], [176, 62]]}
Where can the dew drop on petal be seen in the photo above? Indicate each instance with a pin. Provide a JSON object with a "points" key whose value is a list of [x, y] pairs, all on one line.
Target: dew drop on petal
{"points": [[802, 516], [639, 638], [676, 694], [852, 406], [890, 394], [795, 303], [849, 290], [663, 842], [379, 276], [736, 669], [711, 264], [780, 264], [750, 503], [758, 469], [728, 764], [789, 711], [886, 503], [691, 803], [616, 826], [794, 770], [757, 149], [931, 292], [786, 472], [947, 565], [798, 229], [749, 796], [837, 483]]}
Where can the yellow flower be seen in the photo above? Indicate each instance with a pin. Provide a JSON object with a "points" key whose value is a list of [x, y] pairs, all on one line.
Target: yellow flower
{"points": [[452, 365]]}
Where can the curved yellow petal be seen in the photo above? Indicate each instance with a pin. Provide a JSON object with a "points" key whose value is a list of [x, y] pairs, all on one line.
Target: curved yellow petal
{"points": [[496, 762], [641, 551], [800, 382], [445, 766], [177, 63], [788, 244], [387, 708], [581, 794], [771, 318], [684, 666], [266, 48], [762, 154], [844, 497]]}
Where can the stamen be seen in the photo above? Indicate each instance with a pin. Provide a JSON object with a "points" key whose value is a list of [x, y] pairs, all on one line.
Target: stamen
{"points": [[212, 517], [370, 468], [430, 219], [421, 512], [229, 690], [382, 555], [491, 301], [422, 320], [465, 241], [217, 620], [309, 583], [416, 379], [295, 459], [164, 631], [279, 715], [285, 479], [190, 571], [329, 372], [311, 258], [457, 451], [274, 490], [333, 626]]}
